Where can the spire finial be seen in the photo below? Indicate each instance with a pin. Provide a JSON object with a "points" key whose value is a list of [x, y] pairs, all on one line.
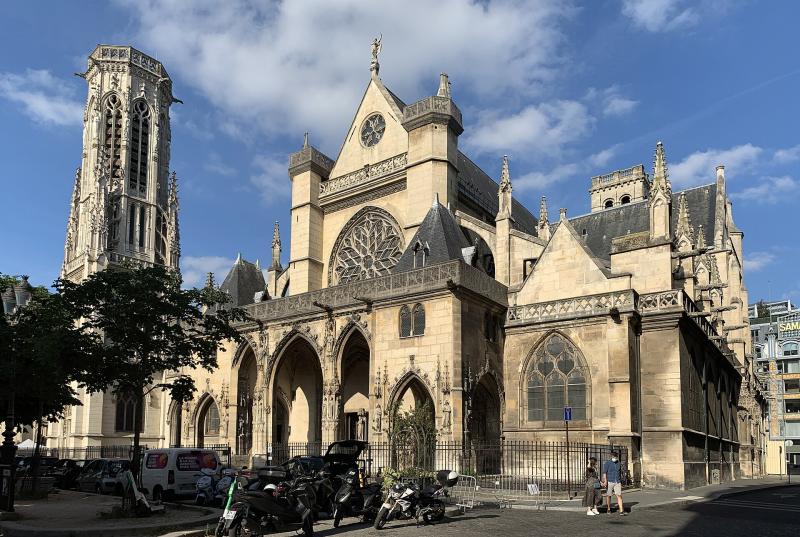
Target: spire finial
{"points": [[435, 199], [210, 280], [276, 248], [374, 65], [444, 86], [562, 213], [701, 238], [543, 218], [239, 258], [505, 176], [660, 175], [305, 139], [684, 226], [258, 264]]}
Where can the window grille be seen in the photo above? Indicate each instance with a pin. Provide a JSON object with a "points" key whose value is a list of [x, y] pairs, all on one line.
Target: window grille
{"points": [[557, 378], [419, 320], [113, 133], [405, 322], [140, 137]]}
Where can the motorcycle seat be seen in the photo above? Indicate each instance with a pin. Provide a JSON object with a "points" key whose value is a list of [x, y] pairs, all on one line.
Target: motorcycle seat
{"points": [[431, 489]]}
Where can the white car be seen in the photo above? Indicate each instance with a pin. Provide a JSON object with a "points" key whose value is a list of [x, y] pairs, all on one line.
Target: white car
{"points": [[173, 472]]}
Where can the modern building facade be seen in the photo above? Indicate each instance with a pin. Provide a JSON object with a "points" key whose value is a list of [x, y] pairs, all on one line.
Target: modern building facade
{"points": [[414, 279], [775, 329]]}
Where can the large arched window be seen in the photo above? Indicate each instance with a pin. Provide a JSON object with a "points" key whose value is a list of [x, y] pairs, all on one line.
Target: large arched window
{"points": [[369, 246], [412, 321], [419, 320], [405, 321], [112, 132], [211, 425], [126, 414], [557, 377], [140, 137]]}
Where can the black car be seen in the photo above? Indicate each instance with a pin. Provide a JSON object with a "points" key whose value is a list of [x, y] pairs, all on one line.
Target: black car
{"points": [[66, 473], [24, 465]]}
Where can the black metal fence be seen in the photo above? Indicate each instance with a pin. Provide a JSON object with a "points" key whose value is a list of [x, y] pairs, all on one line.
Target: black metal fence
{"points": [[122, 451], [508, 464]]}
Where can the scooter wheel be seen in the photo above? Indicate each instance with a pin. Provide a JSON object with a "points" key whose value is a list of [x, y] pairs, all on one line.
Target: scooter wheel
{"points": [[380, 520], [337, 517]]}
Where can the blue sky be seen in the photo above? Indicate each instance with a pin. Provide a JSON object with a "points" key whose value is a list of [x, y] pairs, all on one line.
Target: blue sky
{"points": [[567, 90]]}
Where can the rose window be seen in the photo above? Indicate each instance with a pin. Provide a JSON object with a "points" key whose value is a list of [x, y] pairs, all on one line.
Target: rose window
{"points": [[370, 245]]}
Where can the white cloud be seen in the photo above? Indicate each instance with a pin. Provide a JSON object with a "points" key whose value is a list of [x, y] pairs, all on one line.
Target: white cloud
{"points": [[699, 167], [661, 15], [757, 261], [277, 67], [534, 130], [784, 156], [538, 180], [44, 98], [601, 158], [194, 269], [771, 190], [215, 165], [619, 106], [271, 178]]}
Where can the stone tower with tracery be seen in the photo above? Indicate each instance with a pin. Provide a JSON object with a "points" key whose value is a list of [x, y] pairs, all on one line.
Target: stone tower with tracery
{"points": [[124, 202]]}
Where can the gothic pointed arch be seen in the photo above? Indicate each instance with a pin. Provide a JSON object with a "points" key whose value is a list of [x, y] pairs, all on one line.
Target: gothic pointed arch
{"points": [[555, 374], [288, 338], [412, 379], [353, 352], [354, 324], [369, 245], [112, 131]]}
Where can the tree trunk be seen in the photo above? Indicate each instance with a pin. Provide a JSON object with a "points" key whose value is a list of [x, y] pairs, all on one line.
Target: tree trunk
{"points": [[37, 451], [138, 414]]}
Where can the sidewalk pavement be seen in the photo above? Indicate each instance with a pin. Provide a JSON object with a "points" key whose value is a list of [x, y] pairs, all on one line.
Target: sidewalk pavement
{"points": [[638, 499]]}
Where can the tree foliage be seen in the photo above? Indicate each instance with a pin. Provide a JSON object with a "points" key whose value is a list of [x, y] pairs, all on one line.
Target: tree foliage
{"points": [[150, 325]]}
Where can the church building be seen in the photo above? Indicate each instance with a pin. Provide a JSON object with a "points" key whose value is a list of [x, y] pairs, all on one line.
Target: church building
{"points": [[414, 278]]}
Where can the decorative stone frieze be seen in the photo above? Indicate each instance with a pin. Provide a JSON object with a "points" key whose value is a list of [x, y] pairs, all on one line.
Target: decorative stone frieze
{"points": [[584, 306], [364, 176]]}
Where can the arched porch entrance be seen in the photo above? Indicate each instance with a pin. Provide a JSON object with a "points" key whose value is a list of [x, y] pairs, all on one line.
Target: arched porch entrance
{"points": [[484, 425], [354, 369], [175, 424], [297, 394], [412, 424]]}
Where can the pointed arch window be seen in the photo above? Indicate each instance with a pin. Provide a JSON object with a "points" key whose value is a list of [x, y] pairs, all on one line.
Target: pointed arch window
{"points": [[211, 425], [419, 320], [405, 321], [557, 377], [112, 133], [126, 414], [140, 138]]}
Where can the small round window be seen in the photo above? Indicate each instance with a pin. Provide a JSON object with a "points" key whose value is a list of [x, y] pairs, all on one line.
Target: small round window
{"points": [[372, 130]]}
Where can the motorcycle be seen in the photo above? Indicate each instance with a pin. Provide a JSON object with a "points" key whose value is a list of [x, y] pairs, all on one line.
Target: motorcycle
{"points": [[405, 501], [258, 512], [355, 499]]}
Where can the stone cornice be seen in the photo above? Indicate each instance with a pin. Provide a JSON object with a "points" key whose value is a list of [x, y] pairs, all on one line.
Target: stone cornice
{"points": [[571, 308], [434, 109], [307, 159], [434, 278]]}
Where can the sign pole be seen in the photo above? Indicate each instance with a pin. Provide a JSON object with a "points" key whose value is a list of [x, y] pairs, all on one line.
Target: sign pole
{"points": [[567, 419]]}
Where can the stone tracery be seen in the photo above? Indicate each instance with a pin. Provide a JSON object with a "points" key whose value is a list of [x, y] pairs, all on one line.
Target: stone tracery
{"points": [[370, 245]]}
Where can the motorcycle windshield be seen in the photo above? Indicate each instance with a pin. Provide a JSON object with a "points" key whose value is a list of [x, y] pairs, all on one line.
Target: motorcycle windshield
{"points": [[344, 451]]}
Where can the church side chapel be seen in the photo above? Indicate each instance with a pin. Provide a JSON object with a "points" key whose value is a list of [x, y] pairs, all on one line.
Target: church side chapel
{"points": [[417, 281]]}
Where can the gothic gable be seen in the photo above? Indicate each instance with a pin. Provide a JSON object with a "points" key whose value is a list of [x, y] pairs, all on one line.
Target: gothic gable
{"points": [[565, 269], [376, 132]]}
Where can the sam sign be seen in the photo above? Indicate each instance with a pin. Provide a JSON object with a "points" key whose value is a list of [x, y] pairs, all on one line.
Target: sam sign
{"points": [[567, 413]]}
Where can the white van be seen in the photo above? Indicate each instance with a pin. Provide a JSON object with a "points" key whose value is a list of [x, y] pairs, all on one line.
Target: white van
{"points": [[173, 472]]}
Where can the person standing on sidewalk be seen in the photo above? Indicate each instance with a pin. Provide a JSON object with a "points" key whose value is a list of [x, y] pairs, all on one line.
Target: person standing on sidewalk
{"points": [[613, 482], [592, 496]]}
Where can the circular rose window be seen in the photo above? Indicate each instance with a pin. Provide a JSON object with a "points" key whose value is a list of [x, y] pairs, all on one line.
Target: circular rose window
{"points": [[372, 130]]}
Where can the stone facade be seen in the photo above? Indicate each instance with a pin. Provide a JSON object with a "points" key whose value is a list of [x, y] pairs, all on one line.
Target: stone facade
{"points": [[415, 278]]}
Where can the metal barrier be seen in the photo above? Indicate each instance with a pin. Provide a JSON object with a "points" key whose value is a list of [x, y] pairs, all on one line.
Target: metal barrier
{"points": [[464, 492], [534, 489]]}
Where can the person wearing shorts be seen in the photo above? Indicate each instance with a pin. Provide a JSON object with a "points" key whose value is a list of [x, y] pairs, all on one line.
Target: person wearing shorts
{"points": [[613, 482]]}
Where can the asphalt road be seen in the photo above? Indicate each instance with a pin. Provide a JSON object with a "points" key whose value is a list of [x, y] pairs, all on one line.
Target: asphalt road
{"points": [[768, 513]]}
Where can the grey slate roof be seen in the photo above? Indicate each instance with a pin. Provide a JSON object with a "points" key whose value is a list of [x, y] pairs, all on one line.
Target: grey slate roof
{"points": [[441, 234], [602, 226], [243, 281], [480, 189]]}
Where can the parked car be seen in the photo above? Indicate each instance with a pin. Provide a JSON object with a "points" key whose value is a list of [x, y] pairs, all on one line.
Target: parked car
{"points": [[24, 465], [66, 473], [174, 472], [103, 476], [301, 465]]}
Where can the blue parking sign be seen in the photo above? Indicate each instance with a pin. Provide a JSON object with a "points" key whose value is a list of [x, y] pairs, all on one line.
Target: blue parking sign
{"points": [[567, 413]]}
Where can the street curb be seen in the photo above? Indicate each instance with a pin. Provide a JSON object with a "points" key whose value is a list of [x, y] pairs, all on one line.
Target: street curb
{"points": [[16, 529]]}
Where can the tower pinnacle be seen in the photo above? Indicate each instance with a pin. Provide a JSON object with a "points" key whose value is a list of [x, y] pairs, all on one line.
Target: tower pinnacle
{"points": [[276, 248]]}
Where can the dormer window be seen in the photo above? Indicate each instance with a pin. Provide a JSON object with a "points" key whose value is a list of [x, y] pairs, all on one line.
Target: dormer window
{"points": [[420, 255]]}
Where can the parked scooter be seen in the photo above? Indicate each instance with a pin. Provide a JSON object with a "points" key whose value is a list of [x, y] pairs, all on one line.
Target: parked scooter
{"points": [[259, 512], [212, 489], [405, 501], [354, 498]]}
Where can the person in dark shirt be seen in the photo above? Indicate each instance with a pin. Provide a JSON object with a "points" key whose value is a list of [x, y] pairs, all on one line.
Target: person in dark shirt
{"points": [[592, 496], [613, 482]]}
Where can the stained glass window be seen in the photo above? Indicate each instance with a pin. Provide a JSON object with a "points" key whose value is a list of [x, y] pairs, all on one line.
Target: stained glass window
{"points": [[557, 378], [369, 246]]}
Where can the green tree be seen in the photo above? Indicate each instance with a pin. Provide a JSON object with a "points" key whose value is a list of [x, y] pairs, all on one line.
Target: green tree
{"points": [[47, 354], [762, 311], [150, 325]]}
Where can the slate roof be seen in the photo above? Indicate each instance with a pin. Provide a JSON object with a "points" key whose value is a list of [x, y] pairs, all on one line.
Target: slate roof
{"points": [[243, 281], [475, 185], [441, 234], [602, 226]]}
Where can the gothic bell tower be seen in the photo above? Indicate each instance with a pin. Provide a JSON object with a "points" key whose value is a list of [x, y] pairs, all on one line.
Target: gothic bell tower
{"points": [[124, 201]]}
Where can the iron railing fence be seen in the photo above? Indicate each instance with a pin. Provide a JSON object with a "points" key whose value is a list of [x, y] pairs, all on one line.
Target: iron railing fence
{"points": [[123, 451], [507, 465]]}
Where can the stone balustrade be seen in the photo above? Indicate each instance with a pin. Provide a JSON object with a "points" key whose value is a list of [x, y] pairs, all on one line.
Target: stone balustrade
{"points": [[364, 175]]}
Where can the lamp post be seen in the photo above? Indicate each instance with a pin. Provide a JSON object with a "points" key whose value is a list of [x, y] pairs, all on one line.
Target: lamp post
{"points": [[14, 297]]}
